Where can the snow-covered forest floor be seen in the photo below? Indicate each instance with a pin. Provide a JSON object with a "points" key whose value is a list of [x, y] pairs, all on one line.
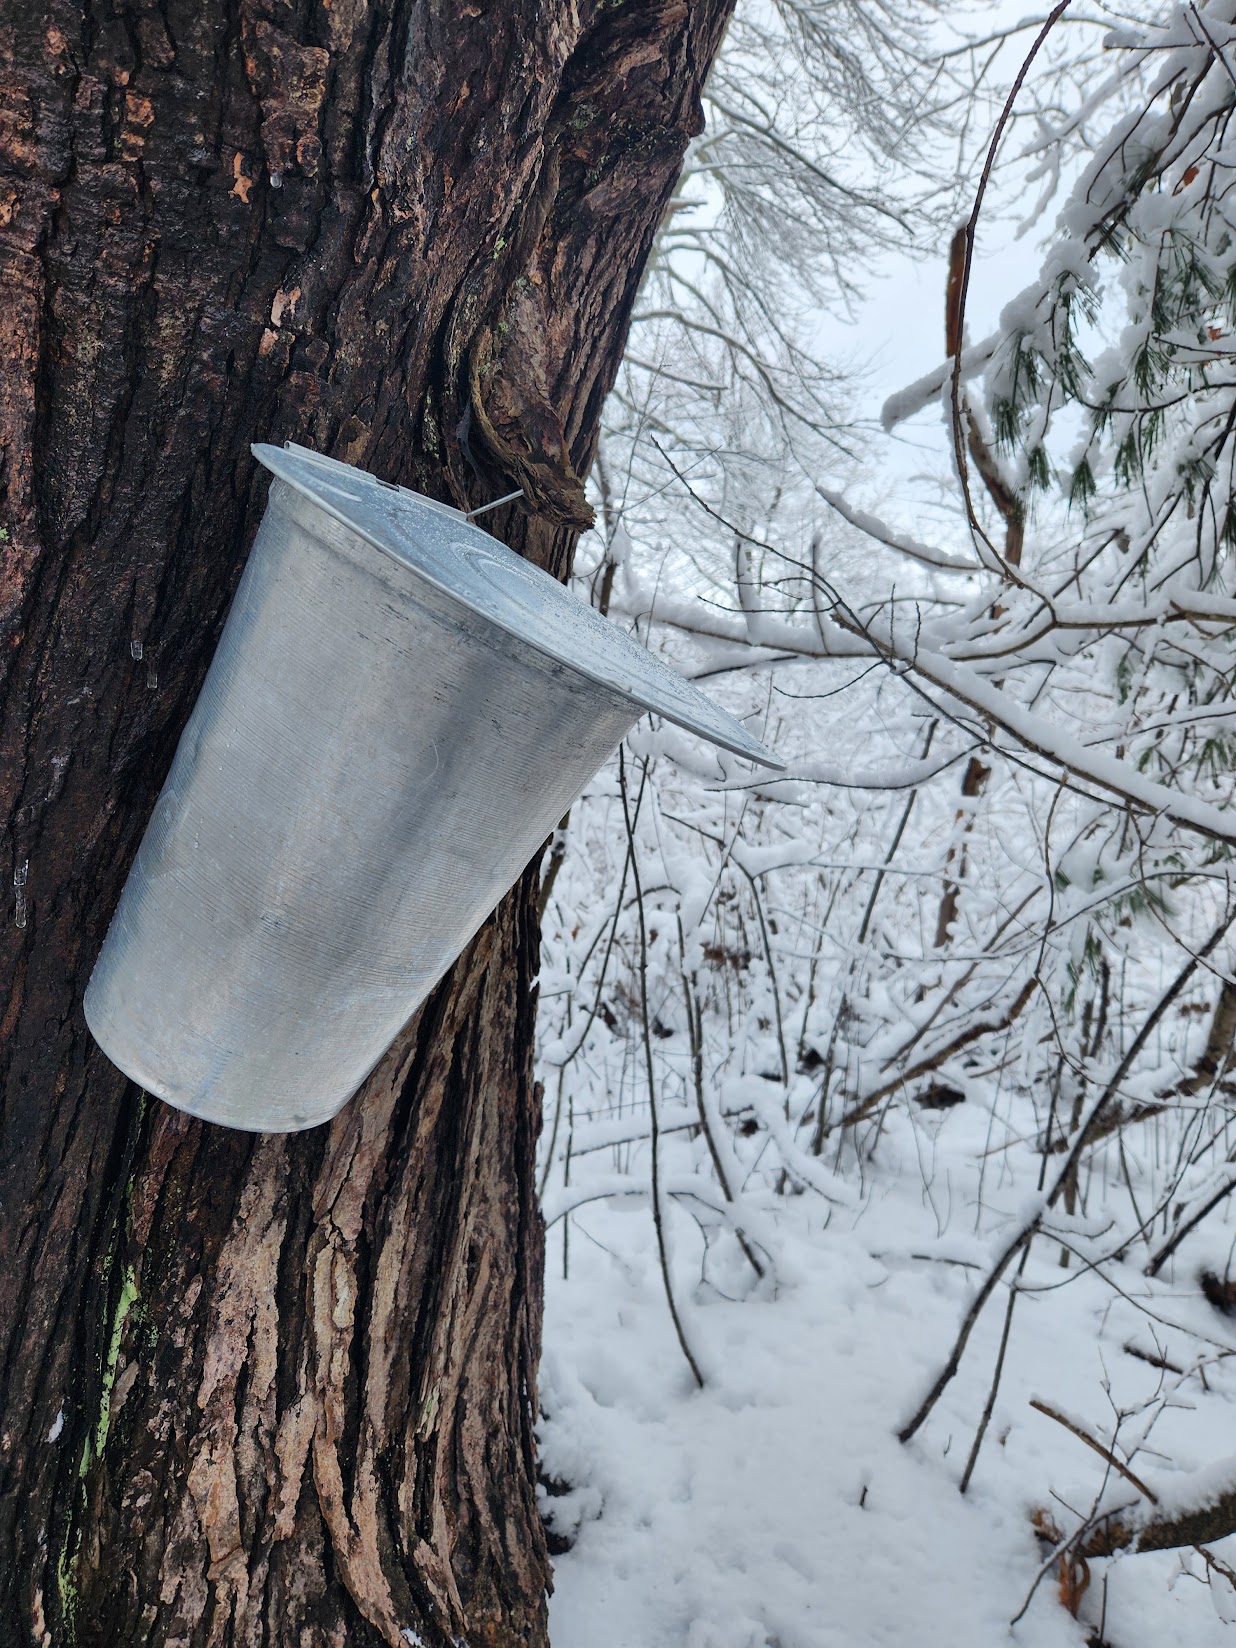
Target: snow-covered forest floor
{"points": [[776, 1506]]}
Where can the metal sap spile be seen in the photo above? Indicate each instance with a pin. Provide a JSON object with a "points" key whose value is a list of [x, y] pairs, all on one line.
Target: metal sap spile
{"points": [[399, 711]]}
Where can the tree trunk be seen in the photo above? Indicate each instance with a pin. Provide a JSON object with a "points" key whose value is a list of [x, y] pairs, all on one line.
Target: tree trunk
{"points": [[279, 1390]]}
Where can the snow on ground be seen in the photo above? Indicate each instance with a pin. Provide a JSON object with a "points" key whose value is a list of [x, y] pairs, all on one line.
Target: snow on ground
{"points": [[776, 1508]]}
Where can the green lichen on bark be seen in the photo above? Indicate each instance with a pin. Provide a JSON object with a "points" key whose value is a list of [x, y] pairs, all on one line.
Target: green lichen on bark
{"points": [[96, 1440]]}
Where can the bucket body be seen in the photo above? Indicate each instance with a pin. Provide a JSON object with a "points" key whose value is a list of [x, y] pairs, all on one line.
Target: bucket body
{"points": [[368, 769]]}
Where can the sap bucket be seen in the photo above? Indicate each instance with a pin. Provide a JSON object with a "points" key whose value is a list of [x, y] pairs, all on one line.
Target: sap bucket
{"points": [[399, 712]]}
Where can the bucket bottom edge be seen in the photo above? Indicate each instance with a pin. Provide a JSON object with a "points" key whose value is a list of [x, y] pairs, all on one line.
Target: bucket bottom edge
{"points": [[242, 1117]]}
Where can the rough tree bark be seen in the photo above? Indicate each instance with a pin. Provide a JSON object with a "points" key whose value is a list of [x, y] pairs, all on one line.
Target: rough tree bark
{"points": [[278, 1390]]}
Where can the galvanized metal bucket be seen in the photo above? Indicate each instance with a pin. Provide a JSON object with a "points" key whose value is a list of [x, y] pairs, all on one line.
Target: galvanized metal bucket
{"points": [[399, 711]]}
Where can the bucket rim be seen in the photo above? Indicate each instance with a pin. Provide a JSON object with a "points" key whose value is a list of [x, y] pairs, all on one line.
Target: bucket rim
{"points": [[517, 597]]}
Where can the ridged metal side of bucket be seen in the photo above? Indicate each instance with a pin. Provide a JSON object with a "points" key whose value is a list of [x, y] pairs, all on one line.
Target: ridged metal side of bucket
{"points": [[368, 768]]}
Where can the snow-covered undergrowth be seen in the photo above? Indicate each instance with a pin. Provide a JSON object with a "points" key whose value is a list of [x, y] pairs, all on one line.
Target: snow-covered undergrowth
{"points": [[743, 984], [889, 1156], [776, 1506]]}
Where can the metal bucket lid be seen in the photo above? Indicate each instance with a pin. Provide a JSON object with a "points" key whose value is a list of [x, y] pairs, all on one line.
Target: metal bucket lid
{"points": [[441, 545]]}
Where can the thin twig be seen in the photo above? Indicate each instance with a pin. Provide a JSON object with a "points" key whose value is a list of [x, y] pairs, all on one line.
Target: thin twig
{"points": [[959, 442], [995, 1377], [655, 1137], [1098, 1447], [984, 1293], [695, 1035], [1178, 1235]]}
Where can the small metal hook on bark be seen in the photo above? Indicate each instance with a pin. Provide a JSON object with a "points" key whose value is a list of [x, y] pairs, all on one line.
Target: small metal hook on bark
{"points": [[508, 497]]}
